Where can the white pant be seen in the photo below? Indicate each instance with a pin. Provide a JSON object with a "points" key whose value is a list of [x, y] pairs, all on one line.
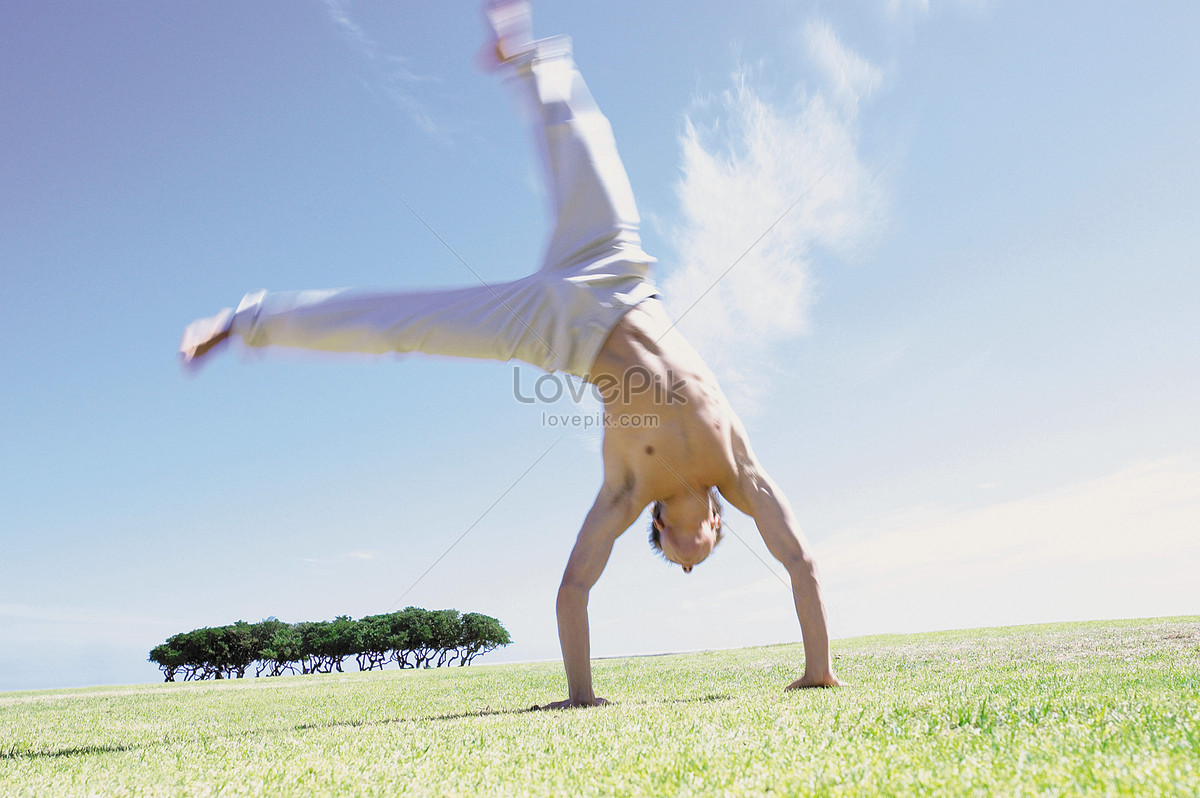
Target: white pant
{"points": [[558, 318]]}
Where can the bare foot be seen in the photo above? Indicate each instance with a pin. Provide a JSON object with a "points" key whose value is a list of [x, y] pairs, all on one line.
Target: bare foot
{"points": [[204, 335], [822, 680], [569, 704], [511, 26]]}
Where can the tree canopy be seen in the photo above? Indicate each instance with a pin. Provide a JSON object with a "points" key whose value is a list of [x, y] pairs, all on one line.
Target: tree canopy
{"points": [[412, 638]]}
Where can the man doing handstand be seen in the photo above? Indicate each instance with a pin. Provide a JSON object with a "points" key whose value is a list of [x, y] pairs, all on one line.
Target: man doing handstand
{"points": [[590, 310]]}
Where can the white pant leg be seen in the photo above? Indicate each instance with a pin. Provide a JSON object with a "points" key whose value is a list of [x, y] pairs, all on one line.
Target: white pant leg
{"points": [[497, 322], [595, 212], [557, 318]]}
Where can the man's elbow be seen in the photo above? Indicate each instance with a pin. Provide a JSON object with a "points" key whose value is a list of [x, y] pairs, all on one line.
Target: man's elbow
{"points": [[799, 564], [571, 593]]}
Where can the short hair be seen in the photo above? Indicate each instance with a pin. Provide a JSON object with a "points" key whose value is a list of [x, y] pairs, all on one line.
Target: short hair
{"points": [[656, 515]]}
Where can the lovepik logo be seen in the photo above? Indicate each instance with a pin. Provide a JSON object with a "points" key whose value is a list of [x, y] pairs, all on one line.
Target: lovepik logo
{"points": [[637, 381]]}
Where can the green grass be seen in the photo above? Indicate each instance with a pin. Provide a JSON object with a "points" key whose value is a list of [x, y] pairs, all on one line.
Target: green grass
{"points": [[1110, 708]]}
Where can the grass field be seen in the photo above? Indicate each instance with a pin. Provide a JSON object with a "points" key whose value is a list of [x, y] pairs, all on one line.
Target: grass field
{"points": [[1108, 708]]}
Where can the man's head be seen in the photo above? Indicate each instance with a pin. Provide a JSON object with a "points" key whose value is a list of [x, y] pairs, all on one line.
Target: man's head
{"points": [[686, 528]]}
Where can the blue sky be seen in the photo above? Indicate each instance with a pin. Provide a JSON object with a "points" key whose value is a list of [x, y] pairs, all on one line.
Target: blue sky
{"points": [[968, 353]]}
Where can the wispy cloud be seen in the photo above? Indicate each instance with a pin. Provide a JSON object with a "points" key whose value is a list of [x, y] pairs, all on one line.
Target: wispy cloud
{"points": [[1145, 509], [348, 556], [394, 78], [745, 161], [337, 12], [903, 8], [23, 625], [1120, 543], [851, 77], [86, 616], [897, 7]]}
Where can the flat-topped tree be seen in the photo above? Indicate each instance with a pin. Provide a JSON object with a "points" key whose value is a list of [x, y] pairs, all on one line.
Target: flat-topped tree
{"points": [[479, 635]]}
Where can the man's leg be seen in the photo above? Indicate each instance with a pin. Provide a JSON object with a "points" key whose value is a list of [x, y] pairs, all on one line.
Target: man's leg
{"points": [[596, 215], [497, 322], [527, 319]]}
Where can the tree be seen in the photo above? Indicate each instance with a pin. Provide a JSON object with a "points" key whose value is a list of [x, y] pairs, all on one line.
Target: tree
{"points": [[417, 624], [238, 649], [445, 634], [169, 659], [310, 640], [262, 634], [326, 644], [480, 634], [202, 651], [283, 651], [377, 640], [413, 638], [344, 640]]}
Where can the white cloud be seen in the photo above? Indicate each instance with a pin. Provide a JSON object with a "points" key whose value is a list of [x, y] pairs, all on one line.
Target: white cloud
{"points": [[347, 556], [1116, 544], [898, 8], [851, 76], [790, 170], [337, 12], [396, 79], [88, 616], [23, 626], [1145, 509]]}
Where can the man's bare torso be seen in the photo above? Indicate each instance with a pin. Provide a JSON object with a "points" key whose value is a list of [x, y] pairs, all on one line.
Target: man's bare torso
{"points": [[687, 437]]}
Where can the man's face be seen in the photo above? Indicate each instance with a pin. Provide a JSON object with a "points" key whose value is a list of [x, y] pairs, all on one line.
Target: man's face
{"points": [[689, 547]]}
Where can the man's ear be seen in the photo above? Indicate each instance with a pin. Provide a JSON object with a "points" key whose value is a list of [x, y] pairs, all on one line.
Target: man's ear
{"points": [[717, 523], [658, 524]]}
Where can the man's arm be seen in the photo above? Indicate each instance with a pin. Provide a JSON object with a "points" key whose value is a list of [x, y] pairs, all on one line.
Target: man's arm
{"points": [[611, 514], [769, 508]]}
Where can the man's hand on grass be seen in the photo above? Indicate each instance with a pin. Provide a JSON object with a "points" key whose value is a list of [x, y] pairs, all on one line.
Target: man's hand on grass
{"points": [[568, 704]]}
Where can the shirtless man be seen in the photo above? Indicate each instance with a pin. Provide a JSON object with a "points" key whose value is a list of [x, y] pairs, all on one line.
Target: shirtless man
{"points": [[591, 311]]}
